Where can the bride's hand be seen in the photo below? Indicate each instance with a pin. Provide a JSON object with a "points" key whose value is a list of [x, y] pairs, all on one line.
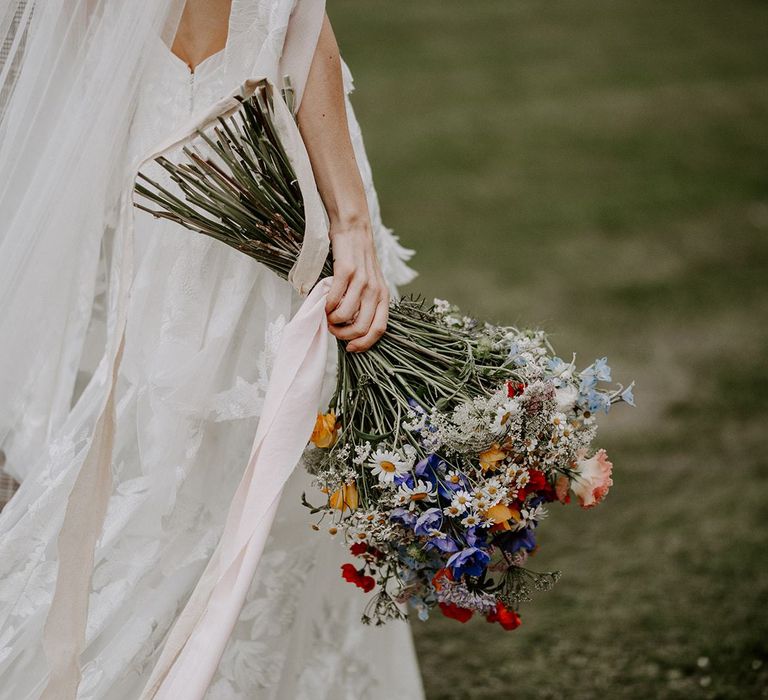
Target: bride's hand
{"points": [[358, 301]]}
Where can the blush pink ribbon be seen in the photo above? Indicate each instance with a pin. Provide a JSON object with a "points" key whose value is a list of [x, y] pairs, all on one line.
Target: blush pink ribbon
{"points": [[196, 642]]}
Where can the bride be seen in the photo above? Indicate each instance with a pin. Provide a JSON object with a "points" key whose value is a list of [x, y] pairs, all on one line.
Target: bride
{"points": [[88, 88]]}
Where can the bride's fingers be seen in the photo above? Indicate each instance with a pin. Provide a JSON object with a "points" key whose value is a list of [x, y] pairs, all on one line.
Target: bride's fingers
{"points": [[362, 323], [349, 306], [341, 279], [376, 330]]}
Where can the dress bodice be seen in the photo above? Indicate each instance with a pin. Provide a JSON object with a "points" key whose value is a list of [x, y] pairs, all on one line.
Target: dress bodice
{"points": [[170, 92]]}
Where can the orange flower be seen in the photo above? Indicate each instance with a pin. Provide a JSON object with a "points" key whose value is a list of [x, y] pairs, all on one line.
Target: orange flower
{"points": [[490, 458], [326, 427], [345, 497], [501, 515], [437, 579]]}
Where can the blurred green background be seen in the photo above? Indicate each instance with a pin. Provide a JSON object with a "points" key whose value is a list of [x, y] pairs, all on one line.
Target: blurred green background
{"points": [[598, 168]]}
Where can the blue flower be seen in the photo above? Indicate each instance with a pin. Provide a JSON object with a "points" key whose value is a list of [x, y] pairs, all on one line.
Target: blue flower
{"points": [[470, 561], [415, 405], [403, 516], [515, 356], [595, 400], [443, 543], [473, 537], [598, 371], [602, 370], [556, 366], [428, 468], [627, 396], [511, 542], [406, 478], [428, 522], [421, 607]]}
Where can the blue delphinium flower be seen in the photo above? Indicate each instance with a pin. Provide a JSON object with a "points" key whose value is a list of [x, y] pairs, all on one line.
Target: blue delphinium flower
{"points": [[556, 365], [515, 357], [602, 370], [470, 561], [415, 405], [627, 396], [598, 371], [595, 400], [429, 469]]}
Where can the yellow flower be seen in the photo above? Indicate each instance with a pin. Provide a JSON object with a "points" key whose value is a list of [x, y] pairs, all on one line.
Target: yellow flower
{"points": [[345, 497], [501, 515], [490, 458], [326, 427]]}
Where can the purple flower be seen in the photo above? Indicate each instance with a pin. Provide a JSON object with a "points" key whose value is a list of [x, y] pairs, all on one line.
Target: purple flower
{"points": [[428, 522], [473, 537], [447, 488], [443, 543], [470, 561], [511, 542], [415, 405], [403, 516]]}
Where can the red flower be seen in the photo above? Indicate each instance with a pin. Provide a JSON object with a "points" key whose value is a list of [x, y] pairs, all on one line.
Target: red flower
{"points": [[351, 574], [358, 548], [454, 611], [367, 583], [507, 618], [537, 484], [515, 389], [537, 480]]}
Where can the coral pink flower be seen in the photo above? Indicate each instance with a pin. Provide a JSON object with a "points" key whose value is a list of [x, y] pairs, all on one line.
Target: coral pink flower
{"points": [[593, 479]]}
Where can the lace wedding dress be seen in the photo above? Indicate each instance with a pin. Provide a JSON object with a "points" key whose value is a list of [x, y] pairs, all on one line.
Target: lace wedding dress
{"points": [[202, 325]]}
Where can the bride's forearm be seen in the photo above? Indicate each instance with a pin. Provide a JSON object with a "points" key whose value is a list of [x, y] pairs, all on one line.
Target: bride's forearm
{"points": [[358, 300], [322, 121]]}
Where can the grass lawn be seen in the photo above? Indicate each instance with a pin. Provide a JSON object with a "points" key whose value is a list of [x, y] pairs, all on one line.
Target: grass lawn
{"points": [[599, 168]]}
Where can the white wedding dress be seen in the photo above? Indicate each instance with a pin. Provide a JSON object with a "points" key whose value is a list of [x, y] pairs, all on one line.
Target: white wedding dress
{"points": [[202, 323]]}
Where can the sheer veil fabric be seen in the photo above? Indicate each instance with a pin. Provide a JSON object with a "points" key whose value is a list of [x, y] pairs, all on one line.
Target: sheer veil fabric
{"points": [[87, 88]]}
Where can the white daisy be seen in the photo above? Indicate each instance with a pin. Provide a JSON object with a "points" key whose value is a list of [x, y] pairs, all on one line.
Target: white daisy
{"points": [[453, 511], [453, 477], [470, 520], [421, 491], [481, 503], [461, 499], [387, 465], [494, 491]]}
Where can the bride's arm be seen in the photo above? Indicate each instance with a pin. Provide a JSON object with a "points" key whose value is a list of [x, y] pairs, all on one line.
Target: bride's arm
{"points": [[359, 293]]}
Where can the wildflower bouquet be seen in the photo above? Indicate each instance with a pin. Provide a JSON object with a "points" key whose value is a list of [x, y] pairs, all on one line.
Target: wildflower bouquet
{"points": [[444, 443]]}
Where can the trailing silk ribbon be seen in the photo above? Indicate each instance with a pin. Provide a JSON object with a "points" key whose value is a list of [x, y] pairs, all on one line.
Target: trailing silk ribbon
{"points": [[64, 634], [197, 640]]}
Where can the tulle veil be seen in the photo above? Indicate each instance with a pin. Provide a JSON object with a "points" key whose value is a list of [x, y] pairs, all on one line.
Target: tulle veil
{"points": [[69, 77], [69, 72]]}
